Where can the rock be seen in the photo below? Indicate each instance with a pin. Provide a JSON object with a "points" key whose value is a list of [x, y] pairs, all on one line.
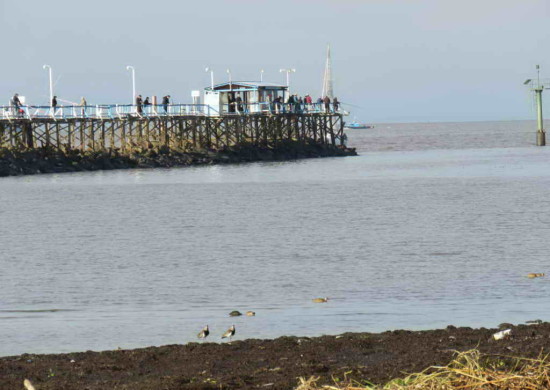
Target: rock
{"points": [[49, 160]]}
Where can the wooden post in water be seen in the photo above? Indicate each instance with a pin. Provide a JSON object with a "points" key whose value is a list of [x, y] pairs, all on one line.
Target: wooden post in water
{"points": [[47, 130], [57, 136], [81, 124]]}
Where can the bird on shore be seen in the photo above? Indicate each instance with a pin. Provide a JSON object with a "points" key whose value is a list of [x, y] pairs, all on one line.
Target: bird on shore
{"points": [[250, 313], [320, 300], [533, 275], [229, 333], [204, 333]]}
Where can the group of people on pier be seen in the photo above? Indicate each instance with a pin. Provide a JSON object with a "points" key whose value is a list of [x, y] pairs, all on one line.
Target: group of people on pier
{"points": [[293, 104], [141, 104]]}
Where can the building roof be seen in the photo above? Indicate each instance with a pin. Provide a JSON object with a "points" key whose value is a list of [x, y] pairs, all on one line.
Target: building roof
{"points": [[244, 85]]}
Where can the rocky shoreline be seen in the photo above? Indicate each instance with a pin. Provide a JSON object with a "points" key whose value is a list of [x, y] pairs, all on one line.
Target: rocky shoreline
{"points": [[15, 162], [269, 364]]}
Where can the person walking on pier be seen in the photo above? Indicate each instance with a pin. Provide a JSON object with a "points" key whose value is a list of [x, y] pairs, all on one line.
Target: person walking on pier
{"points": [[165, 103], [239, 102], [326, 100], [300, 105], [139, 104], [308, 101], [336, 104], [16, 103], [83, 104], [54, 104], [146, 104], [290, 103]]}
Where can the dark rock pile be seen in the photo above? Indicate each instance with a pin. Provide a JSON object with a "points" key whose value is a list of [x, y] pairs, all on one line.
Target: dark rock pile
{"points": [[15, 162]]}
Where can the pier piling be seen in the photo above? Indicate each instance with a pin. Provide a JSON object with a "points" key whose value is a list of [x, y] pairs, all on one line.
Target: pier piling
{"points": [[178, 132]]}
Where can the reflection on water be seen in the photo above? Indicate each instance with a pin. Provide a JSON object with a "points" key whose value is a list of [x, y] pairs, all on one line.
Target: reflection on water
{"points": [[433, 224]]}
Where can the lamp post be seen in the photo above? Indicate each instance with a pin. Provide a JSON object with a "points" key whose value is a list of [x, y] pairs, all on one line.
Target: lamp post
{"points": [[288, 72], [229, 73], [261, 76], [130, 67], [211, 76], [51, 81]]}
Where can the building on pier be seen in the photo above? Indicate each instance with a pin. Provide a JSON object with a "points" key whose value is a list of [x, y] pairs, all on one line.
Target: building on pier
{"points": [[255, 96]]}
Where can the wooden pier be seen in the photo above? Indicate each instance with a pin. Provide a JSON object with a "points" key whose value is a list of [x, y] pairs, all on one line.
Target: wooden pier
{"points": [[179, 128]]}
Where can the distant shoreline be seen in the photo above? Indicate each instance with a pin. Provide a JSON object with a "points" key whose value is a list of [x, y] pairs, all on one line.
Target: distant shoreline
{"points": [[49, 160], [273, 364]]}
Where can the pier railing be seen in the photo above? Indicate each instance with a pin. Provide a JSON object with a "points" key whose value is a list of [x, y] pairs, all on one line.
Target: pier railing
{"points": [[122, 111], [177, 126], [104, 111]]}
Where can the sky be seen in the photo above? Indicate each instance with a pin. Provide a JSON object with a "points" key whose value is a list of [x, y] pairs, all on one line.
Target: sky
{"points": [[393, 60]]}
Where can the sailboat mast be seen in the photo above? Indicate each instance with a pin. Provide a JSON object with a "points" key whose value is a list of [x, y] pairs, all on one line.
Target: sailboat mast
{"points": [[327, 79]]}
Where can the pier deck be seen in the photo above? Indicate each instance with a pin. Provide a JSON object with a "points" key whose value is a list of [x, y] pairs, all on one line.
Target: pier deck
{"points": [[181, 127]]}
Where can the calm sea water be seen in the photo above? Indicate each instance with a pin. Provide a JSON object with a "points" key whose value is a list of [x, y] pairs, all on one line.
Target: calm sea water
{"points": [[434, 224]]}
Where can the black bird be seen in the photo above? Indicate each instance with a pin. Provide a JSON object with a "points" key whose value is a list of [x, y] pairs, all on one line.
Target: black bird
{"points": [[204, 333], [230, 333]]}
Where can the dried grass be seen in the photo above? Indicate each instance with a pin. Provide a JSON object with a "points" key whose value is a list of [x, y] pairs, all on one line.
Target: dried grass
{"points": [[469, 370]]}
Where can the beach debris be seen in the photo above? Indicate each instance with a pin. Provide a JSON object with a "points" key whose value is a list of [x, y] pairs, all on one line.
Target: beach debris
{"points": [[534, 322], [235, 313], [503, 334], [229, 333], [250, 313], [533, 275], [72, 361], [468, 370], [320, 300], [28, 385], [204, 333]]}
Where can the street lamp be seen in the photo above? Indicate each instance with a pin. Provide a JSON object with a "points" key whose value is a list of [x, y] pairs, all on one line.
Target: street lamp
{"points": [[261, 76], [130, 67], [288, 72], [211, 76], [51, 81], [229, 73]]}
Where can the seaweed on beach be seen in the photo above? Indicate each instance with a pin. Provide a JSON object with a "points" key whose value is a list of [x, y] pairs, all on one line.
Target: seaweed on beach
{"points": [[468, 370]]}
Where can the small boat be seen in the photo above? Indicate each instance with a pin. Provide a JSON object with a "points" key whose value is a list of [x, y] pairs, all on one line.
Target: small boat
{"points": [[357, 125]]}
